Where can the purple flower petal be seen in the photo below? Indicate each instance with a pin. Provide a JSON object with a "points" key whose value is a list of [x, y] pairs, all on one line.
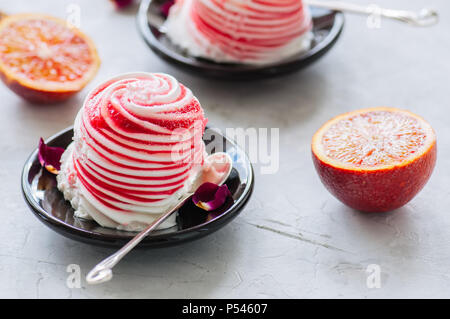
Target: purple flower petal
{"points": [[165, 7], [120, 4], [50, 157], [210, 196]]}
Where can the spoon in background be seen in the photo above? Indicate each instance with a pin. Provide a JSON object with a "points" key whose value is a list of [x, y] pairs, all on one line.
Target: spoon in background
{"points": [[424, 18], [216, 170]]}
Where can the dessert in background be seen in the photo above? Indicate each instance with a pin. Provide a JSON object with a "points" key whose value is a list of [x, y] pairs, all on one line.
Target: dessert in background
{"points": [[137, 147], [240, 31], [44, 60], [375, 159]]}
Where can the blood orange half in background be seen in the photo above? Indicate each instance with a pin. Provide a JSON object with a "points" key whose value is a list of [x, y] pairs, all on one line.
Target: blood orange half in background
{"points": [[375, 159], [44, 60]]}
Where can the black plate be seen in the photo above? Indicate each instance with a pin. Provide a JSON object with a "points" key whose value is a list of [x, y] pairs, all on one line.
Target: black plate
{"points": [[49, 206], [327, 29]]}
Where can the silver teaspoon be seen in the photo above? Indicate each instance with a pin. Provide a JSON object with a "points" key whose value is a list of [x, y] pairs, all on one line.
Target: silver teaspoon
{"points": [[216, 170], [423, 18]]}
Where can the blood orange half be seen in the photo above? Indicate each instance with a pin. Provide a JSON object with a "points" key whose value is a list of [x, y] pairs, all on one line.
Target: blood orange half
{"points": [[42, 59], [375, 159]]}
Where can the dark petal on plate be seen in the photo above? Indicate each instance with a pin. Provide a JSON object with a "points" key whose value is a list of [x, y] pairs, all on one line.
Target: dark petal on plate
{"points": [[165, 7], [50, 157], [120, 4], [210, 196]]}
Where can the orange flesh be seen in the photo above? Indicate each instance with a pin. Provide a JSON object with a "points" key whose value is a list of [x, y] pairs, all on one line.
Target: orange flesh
{"points": [[45, 51], [374, 138]]}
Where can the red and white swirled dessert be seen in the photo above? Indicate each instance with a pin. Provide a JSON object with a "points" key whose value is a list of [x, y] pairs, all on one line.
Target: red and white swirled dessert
{"points": [[137, 147], [240, 31]]}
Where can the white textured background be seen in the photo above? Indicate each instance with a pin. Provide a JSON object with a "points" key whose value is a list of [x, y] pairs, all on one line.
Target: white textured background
{"points": [[293, 239]]}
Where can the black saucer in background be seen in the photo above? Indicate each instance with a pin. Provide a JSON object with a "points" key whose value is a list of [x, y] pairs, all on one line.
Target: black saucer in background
{"points": [[327, 28]]}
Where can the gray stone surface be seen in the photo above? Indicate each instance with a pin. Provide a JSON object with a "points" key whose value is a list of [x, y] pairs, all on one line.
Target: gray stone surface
{"points": [[293, 239]]}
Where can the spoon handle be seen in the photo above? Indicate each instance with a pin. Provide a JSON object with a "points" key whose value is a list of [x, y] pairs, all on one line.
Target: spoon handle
{"points": [[102, 272], [426, 17]]}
